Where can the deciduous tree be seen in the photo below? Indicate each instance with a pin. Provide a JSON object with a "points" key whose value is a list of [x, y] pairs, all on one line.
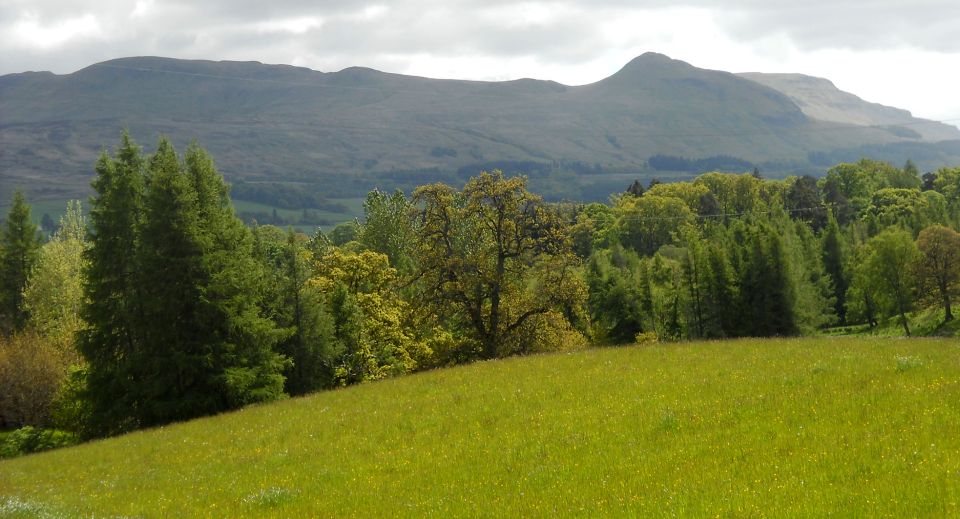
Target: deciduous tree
{"points": [[54, 294], [496, 254], [888, 266], [939, 265]]}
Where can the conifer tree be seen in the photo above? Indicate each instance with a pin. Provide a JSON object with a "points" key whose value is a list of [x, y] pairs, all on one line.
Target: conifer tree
{"points": [[694, 279], [720, 295], [19, 250], [175, 328], [207, 347], [111, 293], [766, 294], [297, 309], [834, 262]]}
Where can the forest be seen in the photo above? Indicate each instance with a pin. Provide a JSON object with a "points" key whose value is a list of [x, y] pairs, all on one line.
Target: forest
{"points": [[158, 304]]}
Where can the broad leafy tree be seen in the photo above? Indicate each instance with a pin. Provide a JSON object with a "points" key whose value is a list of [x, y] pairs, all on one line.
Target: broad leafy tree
{"points": [[647, 223], [939, 266], [54, 294], [388, 228], [496, 255], [370, 338], [887, 267]]}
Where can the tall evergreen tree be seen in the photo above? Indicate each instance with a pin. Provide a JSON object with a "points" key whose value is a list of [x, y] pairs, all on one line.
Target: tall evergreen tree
{"points": [[19, 250], [635, 189], [111, 307], [694, 270], [834, 261], [248, 369], [175, 328], [720, 294], [207, 348], [297, 309], [766, 298]]}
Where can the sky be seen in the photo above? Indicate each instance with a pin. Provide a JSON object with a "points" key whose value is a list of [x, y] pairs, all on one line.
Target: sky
{"points": [[896, 52]]}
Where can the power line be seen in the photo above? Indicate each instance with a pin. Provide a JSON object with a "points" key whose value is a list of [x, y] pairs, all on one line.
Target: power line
{"points": [[721, 215]]}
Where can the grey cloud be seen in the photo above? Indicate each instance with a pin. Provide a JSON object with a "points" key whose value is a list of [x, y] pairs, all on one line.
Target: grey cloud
{"points": [[225, 29], [818, 24]]}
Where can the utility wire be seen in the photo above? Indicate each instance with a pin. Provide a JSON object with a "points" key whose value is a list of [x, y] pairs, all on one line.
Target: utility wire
{"points": [[632, 218]]}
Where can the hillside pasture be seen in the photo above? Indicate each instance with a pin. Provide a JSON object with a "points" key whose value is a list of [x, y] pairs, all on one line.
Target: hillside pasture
{"points": [[779, 427]]}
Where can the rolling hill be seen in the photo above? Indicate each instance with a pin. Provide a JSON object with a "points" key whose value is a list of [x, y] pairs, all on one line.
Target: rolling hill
{"points": [[343, 133], [818, 98], [862, 427]]}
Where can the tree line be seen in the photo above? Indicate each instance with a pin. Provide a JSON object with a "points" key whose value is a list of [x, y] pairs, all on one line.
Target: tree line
{"points": [[161, 305]]}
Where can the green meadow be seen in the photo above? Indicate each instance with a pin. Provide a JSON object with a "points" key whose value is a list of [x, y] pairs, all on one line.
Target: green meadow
{"points": [[861, 427], [354, 209]]}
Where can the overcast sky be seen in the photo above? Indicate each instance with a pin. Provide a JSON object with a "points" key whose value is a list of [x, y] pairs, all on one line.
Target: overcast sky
{"points": [[897, 52]]}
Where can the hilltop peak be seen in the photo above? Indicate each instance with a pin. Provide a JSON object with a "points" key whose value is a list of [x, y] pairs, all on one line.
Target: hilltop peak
{"points": [[652, 63], [652, 59]]}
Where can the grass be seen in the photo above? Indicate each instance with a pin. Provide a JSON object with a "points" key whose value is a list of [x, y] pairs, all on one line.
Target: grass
{"points": [[57, 207], [788, 428], [354, 208], [926, 322]]}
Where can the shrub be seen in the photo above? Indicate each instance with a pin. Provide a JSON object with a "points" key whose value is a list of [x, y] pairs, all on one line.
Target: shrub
{"points": [[907, 363], [70, 410], [643, 338], [31, 439], [550, 331], [32, 370]]}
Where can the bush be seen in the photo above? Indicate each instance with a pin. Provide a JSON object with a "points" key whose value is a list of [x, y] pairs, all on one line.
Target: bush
{"points": [[31, 439], [542, 333], [643, 338], [32, 369], [70, 410]]}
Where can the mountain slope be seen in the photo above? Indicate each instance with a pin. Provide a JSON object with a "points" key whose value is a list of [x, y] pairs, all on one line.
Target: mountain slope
{"points": [[819, 99], [780, 427], [345, 132]]}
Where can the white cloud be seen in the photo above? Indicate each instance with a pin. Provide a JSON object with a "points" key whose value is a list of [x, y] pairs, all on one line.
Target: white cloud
{"points": [[30, 32], [290, 25], [142, 8]]}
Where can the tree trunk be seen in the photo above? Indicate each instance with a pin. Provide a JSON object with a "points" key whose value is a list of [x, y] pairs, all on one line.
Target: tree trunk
{"points": [[903, 321], [945, 294]]}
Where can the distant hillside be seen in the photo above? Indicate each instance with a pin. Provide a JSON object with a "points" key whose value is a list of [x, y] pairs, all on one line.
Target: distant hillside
{"points": [[818, 98], [342, 133]]}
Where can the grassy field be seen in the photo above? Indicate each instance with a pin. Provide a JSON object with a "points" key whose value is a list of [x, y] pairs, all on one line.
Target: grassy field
{"points": [[354, 208], [56, 209], [783, 428]]}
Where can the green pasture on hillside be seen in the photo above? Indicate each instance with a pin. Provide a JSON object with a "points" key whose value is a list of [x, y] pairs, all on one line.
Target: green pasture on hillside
{"points": [[861, 427], [354, 207]]}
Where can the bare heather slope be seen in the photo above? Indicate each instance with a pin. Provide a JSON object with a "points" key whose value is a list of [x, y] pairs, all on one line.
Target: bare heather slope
{"points": [[351, 130], [819, 98]]}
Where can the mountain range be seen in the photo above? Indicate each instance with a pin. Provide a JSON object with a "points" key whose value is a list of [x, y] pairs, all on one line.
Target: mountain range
{"points": [[339, 134]]}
